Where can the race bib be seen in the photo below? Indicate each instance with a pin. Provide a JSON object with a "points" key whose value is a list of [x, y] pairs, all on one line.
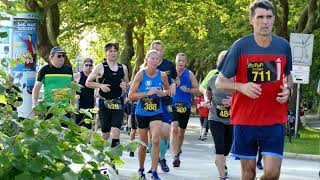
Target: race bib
{"points": [[223, 112], [260, 72], [150, 104], [181, 107], [114, 104]]}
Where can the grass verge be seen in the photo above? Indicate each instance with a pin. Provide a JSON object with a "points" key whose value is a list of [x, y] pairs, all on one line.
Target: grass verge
{"points": [[307, 143]]}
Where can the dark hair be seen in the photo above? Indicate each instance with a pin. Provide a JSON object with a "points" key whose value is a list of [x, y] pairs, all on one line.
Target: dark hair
{"points": [[264, 4], [109, 45]]}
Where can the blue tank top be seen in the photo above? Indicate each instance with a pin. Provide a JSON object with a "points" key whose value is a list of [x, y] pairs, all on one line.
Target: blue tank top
{"points": [[182, 98], [151, 105]]}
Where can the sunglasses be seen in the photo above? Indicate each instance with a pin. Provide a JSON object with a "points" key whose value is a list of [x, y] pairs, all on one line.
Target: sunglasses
{"points": [[88, 65], [61, 56]]}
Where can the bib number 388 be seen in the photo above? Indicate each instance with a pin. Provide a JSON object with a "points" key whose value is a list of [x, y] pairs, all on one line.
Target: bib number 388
{"points": [[150, 104]]}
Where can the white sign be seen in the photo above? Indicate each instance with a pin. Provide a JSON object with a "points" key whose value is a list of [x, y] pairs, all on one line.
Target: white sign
{"points": [[300, 74], [301, 47]]}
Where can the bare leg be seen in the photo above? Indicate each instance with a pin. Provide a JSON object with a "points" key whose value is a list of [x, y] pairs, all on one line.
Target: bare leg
{"points": [[174, 138], [272, 167], [248, 169], [155, 130], [181, 138], [220, 163], [143, 135]]}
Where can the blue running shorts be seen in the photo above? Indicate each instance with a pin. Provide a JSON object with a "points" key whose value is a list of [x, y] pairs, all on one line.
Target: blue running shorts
{"points": [[247, 139]]}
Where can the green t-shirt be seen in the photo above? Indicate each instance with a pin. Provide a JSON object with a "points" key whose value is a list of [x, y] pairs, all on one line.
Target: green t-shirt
{"points": [[204, 83], [55, 81]]}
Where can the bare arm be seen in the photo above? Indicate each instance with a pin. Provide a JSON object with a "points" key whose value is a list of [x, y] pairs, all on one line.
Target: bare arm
{"points": [[76, 77], [133, 93], [94, 75], [35, 93], [194, 84], [284, 95], [125, 80], [249, 89], [166, 87]]}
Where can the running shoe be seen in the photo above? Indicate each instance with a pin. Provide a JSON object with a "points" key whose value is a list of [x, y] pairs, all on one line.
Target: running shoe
{"points": [[155, 176], [225, 171], [142, 176], [164, 166], [205, 136], [131, 154], [223, 178], [176, 161], [259, 166]]}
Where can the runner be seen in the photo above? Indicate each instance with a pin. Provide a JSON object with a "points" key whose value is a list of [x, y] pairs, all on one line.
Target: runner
{"points": [[203, 111], [55, 77], [182, 105], [112, 81], [168, 67], [86, 95], [132, 119], [260, 64], [148, 86], [219, 123]]}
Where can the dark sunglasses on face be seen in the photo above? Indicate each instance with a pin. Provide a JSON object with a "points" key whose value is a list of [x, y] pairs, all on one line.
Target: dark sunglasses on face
{"points": [[88, 65], [61, 56]]}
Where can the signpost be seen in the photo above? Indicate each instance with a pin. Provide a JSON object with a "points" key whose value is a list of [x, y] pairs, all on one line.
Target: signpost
{"points": [[301, 47]]}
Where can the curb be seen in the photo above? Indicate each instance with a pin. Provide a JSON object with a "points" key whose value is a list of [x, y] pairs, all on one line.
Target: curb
{"points": [[297, 156]]}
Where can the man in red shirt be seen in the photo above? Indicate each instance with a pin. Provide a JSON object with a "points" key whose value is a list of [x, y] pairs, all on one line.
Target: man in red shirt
{"points": [[260, 65]]}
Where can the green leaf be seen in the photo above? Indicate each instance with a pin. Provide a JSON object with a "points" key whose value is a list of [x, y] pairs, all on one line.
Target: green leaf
{"points": [[88, 121], [3, 34], [117, 151], [132, 146], [75, 156], [86, 112], [73, 85], [70, 176], [98, 143], [9, 108], [35, 165], [94, 164], [86, 174], [24, 176], [2, 89], [3, 99]]}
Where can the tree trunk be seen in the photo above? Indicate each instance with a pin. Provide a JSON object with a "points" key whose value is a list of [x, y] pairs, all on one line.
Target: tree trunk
{"points": [[282, 17], [139, 54], [128, 51], [48, 29]]}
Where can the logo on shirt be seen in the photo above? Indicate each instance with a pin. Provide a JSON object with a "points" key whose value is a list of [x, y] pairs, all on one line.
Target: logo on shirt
{"points": [[148, 83]]}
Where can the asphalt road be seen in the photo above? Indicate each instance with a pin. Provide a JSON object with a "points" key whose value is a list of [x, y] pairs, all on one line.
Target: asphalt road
{"points": [[197, 162]]}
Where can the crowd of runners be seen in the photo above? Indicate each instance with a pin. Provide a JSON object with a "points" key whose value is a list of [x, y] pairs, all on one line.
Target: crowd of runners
{"points": [[243, 102]]}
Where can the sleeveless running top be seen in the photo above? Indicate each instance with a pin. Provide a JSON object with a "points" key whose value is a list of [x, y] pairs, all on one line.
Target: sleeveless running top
{"points": [[86, 100], [180, 96], [113, 78], [151, 105]]}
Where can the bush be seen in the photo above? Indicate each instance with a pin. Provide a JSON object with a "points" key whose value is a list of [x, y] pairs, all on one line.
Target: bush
{"points": [[35, 147]]}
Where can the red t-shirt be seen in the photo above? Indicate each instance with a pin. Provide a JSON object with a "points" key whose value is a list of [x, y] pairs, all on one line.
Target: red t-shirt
{"points": [[265, 110], [202, 107]]}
